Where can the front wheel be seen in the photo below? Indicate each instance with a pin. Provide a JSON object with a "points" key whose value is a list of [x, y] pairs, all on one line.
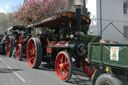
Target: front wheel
{"points": [[34, 52], [64, 66], [108, 79]]}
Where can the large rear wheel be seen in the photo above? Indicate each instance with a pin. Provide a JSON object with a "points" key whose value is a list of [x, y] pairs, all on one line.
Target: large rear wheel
{"points": [[64, 66], [88, 69], [19, 52], [34, 52], [10, 45]]}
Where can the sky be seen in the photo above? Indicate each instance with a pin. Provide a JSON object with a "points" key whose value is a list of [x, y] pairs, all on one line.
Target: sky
{"points": [[7, 6], [91, 5]]}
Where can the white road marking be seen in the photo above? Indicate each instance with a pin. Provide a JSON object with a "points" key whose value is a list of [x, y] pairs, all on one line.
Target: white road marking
{"points": [[1, 60], [16, 74]]}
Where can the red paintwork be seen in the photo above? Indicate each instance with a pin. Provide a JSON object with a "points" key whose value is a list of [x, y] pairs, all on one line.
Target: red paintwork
{"points": [[21, 40], [49, 50], [88, 69], [31, 53], [55, 44], [18, 52], [59, 43], [8, 47]]}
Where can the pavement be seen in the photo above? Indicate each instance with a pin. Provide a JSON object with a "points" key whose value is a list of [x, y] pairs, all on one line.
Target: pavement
{"points": [[14, 72]]}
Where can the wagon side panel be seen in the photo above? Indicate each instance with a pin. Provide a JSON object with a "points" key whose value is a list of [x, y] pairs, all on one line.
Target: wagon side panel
{"points": [[108, 54], [115, 55], [94, 53]]}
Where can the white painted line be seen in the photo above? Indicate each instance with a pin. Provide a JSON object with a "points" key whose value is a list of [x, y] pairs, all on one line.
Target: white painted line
{"points": [[16, 74], [1, 60]]}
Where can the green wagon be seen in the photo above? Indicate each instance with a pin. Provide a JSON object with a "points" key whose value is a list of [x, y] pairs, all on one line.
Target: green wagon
{"points": [[111, 63]]}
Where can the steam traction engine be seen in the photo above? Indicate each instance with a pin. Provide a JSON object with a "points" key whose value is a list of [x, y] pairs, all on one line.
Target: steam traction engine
{"points": [[59, 40], [18, 39]]}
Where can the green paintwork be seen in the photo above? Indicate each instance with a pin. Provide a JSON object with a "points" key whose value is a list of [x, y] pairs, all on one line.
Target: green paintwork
{"points": [[100, 53]]}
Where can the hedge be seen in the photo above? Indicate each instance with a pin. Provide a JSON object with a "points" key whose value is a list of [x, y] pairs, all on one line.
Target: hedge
{"points": [[90, 38]]}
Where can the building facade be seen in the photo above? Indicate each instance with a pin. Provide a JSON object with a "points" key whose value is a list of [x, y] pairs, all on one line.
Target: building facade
{"points": [[112, 17]]}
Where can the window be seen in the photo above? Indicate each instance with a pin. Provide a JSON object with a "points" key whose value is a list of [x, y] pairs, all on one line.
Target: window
{"points": [[125, 8], [125, 33]]}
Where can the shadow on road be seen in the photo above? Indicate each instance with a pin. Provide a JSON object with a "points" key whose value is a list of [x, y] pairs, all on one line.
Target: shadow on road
{"points": [[47, 67], [5, 70], [79, 77], [23, 59], [80, 80]]}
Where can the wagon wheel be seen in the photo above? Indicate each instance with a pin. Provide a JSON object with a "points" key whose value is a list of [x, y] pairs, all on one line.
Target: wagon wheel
{"points": [[64, 66], [19, 52], [34, 52], [10, 45], [88, 69], [110, 79]]}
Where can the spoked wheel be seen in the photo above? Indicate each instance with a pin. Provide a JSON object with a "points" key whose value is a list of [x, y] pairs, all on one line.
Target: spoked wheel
{"points": [[34, 52], [64, 66], [88, 69], [10, 45], [19, 52]]}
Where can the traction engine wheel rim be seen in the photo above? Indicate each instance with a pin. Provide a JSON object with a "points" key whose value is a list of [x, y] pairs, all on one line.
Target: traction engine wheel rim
{"points": [[31, 53], [8, 47], [63, 66], [18, 52], [88, 69]]}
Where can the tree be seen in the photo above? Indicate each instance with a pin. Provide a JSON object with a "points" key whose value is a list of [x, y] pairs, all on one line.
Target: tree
{"points": [[33, 11], [6, 20]]}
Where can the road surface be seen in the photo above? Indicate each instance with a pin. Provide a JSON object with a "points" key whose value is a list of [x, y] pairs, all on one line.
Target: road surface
{"points": [[14, 72]]}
